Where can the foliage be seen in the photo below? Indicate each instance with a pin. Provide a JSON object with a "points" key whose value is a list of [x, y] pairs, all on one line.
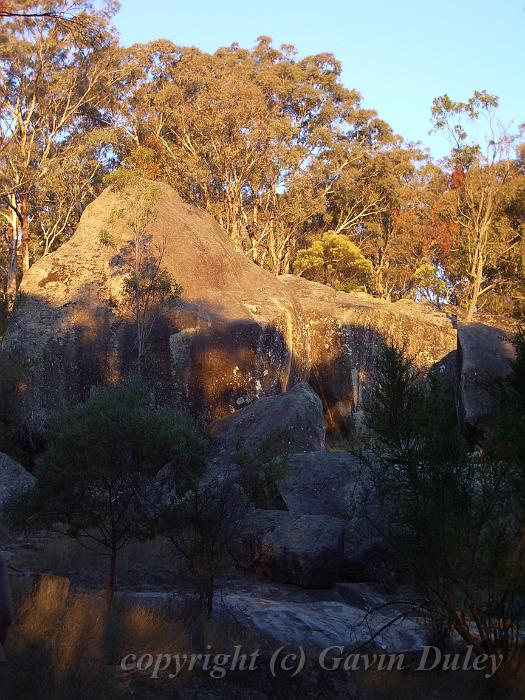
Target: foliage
{"points": [[394, 412], [274, 146], [16, 439], [56, 80], [94, 479], [106, 238], [334, 260], [257, 137], [517, 378], [156, 285], [507, 437], [427, 283], [202, 525], [482, 178], [11, 374], [457, 518]]}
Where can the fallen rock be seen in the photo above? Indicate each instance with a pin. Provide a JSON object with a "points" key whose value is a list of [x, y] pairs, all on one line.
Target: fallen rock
{"points": [[275, 425], [333, 484], [14, 479], [305, 550], [485, 354], [321, 483]]}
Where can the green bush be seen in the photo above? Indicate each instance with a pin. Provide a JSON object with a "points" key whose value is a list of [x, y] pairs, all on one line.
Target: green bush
{"points": [[457, 518], [14, 440], [262, 465], [97, 476]]}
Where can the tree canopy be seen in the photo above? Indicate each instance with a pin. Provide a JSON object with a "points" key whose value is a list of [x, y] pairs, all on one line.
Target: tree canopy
{"points": [[272, 144]]}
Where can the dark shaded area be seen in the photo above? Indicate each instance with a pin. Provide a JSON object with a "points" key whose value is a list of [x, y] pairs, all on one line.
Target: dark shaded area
{"points": [[485, 356], [196, 357]]}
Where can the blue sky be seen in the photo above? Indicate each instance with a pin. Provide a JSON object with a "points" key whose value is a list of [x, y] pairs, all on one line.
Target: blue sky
{"points": [[399, 55]]}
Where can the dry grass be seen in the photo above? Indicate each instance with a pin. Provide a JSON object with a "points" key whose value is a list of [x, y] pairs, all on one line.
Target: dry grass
{"points": [[64, 646]]}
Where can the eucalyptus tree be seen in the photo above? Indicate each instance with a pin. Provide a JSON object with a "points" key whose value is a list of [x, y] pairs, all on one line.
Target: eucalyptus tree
{"points": [[55, 83], [480, 173], [259, 138]]}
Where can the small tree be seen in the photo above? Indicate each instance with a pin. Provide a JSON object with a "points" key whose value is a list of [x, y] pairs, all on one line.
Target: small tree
{"points": [[202, 526], [204, 523], [93, 481], [148, 286], [392, 413], [334, 260], [427, 282], [456, 524]]}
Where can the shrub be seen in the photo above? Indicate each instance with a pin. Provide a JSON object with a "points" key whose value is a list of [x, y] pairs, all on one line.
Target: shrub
{"points": [[95, 478], [457, 520]]}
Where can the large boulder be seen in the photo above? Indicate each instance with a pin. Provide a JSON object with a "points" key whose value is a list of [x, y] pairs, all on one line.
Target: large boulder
{"points": [[305, 550], [485, 354], [346, 333], [321, 483], [14, 479], [286, 423], [334, 484], [237, 334], [348, 615]]}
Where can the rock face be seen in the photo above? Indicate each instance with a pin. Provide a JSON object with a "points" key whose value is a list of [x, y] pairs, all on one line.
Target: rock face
{"points": [[346, 332], [13, 479], [332, 484], [236, 335], [349, 615], [292, 421], [485, 354], [306, 550]]}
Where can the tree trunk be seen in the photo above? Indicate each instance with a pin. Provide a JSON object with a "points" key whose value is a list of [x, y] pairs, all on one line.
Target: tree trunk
{"points": [[138, 300], [24, 223], [110, 590], [209, 595], [12, 261], [378, 282], [138, 321], [476, 288]]}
